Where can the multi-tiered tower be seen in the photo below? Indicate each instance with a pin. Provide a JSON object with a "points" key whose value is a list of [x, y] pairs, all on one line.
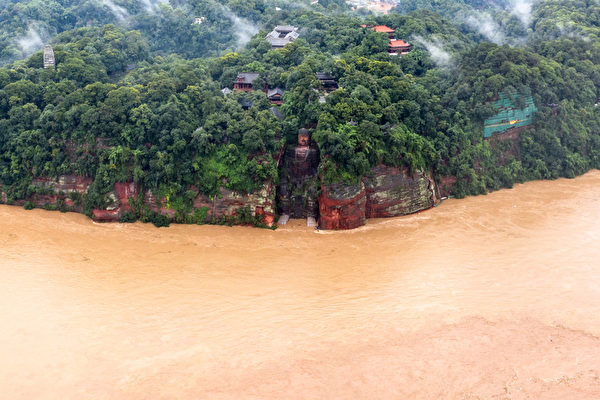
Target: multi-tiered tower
{"points": [[48, 57]]}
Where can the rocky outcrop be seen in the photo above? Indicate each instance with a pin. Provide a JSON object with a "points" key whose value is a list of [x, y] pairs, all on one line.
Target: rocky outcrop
{"points": [[385, 192], [55, 191], [225, 205], [64, 184], [107, 215], [118, 202], [342, 206], [395, 191], [512, 137]]}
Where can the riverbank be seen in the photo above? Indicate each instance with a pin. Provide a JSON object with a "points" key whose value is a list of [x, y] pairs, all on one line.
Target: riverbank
{"points": [[487, 296]]}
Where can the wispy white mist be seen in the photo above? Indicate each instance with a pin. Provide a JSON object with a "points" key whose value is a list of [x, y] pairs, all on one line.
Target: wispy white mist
{"points": [[568, 31], [435, 47], [117, 11], [486, 26], [522, 10], [244, 29], [152, 6], [31, 42]]}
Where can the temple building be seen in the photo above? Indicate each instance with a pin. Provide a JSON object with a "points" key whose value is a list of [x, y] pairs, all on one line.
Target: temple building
{"points": [[243, 82], [275, 96], [384, 29], [327, 81], [398, 47], [282, 35], [49, 57]]}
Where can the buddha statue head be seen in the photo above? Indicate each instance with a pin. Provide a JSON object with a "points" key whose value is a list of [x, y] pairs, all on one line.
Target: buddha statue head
{"points": [[303, 137]]}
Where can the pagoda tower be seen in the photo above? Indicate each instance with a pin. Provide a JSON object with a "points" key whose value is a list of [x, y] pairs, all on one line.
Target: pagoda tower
{"points": [[48, 57]]}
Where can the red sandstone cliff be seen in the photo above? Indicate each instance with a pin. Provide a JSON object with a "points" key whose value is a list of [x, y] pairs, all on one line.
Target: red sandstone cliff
{"points": [[226, 204], [59, 189], [394, 191], [342, 206], [385, 192]]}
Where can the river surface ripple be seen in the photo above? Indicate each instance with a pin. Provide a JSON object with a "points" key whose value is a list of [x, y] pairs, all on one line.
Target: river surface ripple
{"points": [[491, 297]]}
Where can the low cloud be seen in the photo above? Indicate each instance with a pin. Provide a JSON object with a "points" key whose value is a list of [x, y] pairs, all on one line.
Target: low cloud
{"points": [[116, 10], [435, 47], [569, 31], [30, 42], [243, 28], [152, 6], [483, 23], [522, 10]]}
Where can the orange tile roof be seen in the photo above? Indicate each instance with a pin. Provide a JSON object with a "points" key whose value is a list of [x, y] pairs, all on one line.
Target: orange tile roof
{"points": [[398, 43], [382, 28]]}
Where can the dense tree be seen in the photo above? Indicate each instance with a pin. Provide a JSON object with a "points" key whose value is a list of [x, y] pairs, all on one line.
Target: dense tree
{"points": [[146, 104]]}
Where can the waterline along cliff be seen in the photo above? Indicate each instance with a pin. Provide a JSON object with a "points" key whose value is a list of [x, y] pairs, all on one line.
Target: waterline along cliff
{"points": [[384, 192]]}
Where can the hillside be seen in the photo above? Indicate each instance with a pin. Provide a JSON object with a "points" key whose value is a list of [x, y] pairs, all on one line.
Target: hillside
{"points": [[142, 101]]}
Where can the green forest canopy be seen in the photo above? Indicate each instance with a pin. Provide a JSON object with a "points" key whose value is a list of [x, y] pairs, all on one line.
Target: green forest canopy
{"points": [[141, 100]]}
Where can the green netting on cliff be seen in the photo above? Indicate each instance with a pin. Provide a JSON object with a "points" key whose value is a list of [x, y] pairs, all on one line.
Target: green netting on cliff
{"points": [[509, 116]]}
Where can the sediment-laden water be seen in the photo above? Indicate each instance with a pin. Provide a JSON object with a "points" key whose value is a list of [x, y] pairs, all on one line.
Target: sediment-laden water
{"points": [[492, 297]]}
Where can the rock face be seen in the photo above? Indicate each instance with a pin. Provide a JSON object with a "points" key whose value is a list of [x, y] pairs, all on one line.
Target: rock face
{"points": [[226, 204], [64, 183], [52, 192], [386, 192], [119, 200], [58, 190], [299, 185], [394, 191], [342, 206]]}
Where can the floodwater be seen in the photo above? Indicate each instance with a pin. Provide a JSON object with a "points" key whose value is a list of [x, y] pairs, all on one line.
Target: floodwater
{"points": [[489, 297]]}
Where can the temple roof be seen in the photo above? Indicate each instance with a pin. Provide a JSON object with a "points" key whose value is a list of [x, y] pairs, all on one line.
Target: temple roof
{"points": [[322, 76], [398, 43], [247, 77], [275, 91], [285, 28], [383, 28]]}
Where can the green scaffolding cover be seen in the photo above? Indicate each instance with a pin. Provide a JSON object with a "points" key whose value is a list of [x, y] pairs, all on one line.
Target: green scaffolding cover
{"points": [[509, 116]]}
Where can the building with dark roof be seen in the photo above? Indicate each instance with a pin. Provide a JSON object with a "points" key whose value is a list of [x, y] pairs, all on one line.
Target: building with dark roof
{"points": [[327, 81], [243, 81], [275, 96], [282, 35]]}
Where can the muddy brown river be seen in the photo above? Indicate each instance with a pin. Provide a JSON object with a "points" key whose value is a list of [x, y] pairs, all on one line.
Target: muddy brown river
{"points": [[488, 297]]}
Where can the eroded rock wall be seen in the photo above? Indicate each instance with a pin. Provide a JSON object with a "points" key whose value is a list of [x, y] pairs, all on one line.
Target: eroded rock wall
{"points": [[226, 204], [342, 206], [395, 191], [59, 189], [119, 202], [385, 192]]}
